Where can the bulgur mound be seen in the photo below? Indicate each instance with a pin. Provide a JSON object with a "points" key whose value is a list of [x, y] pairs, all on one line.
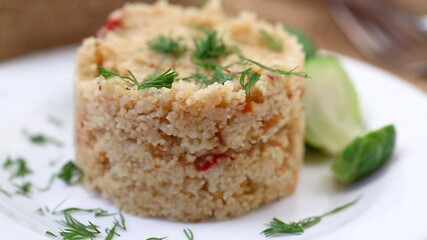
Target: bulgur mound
{"points": [[147, 150]]}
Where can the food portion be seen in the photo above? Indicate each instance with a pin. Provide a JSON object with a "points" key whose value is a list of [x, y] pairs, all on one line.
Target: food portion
{"points": [[189, 114]]}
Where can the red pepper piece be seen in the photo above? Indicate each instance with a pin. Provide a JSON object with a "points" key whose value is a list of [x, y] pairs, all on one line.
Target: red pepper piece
{"points": [[203, 163], [248, 106], [111, 25]]}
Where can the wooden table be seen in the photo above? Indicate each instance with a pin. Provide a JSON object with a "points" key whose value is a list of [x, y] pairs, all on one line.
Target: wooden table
{"points": [[26, 26]]}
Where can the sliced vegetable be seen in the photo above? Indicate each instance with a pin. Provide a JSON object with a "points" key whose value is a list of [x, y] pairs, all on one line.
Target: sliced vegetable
{"points": [[364, 155], [307, 44], [333, 116]]}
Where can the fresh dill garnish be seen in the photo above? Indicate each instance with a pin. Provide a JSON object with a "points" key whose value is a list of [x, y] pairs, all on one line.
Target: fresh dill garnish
{"points": [[274, 70], [208, 64], [189, 234], [163, 80], [8, 162], [116, 223], [74, 229], [6, 193], [252, 77], [24, 189], [168, 46], [50, 234], [98, 212], [21, 169], [272, 42], [210, 46], [122, 221], [158, 81], [42, 139], [156, 238], [111, 233], [70, 173], [220, 75], [277, 227]]}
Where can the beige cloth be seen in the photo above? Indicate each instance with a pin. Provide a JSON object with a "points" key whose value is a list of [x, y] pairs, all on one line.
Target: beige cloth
{"points": [[27, 26]]}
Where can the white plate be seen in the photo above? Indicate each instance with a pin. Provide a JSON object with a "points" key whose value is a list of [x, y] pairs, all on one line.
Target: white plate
{"points": [[393, 203]]}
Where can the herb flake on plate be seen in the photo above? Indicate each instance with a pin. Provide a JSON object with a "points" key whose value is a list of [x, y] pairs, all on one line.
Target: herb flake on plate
{"points": [[278, 227]]}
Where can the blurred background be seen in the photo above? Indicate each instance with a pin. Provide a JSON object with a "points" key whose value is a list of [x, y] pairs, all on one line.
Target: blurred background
{"points": [[363, 29]]}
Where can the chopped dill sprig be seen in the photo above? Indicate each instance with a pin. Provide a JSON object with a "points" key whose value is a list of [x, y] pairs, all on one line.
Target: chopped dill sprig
{"points": [[42, 139], [158, 81], [210, 46], [70, 173], [189, 234], [50, 234], [156, 238], [98, 212], [74, 229], [21, 169], [116, 224], [219, 75], [274, 70], [24, 189], [272, 42], [111, 233], [252, 77], [168, 46], [163, 80], [277, 227]]}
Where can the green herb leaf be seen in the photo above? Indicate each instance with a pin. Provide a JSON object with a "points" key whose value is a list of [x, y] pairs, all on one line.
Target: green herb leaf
{"points": [[70, 173], [107, 74], [8, 163], [24, 189], [307, 44], [278, 227], [98, 212], [50, 234], [121, 223], [272, 42], [252, 77], [221, 76], [158, 81], [210, 46], [74, 229], [111, 233], [163, 80], [21, 169], [168, 46], [365, 155], [41, 139], [189, 234], [156, 238], [274, 70]]}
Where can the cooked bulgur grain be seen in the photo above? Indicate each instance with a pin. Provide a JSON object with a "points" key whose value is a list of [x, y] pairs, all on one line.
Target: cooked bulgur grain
{"points": [[191, 152]]}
